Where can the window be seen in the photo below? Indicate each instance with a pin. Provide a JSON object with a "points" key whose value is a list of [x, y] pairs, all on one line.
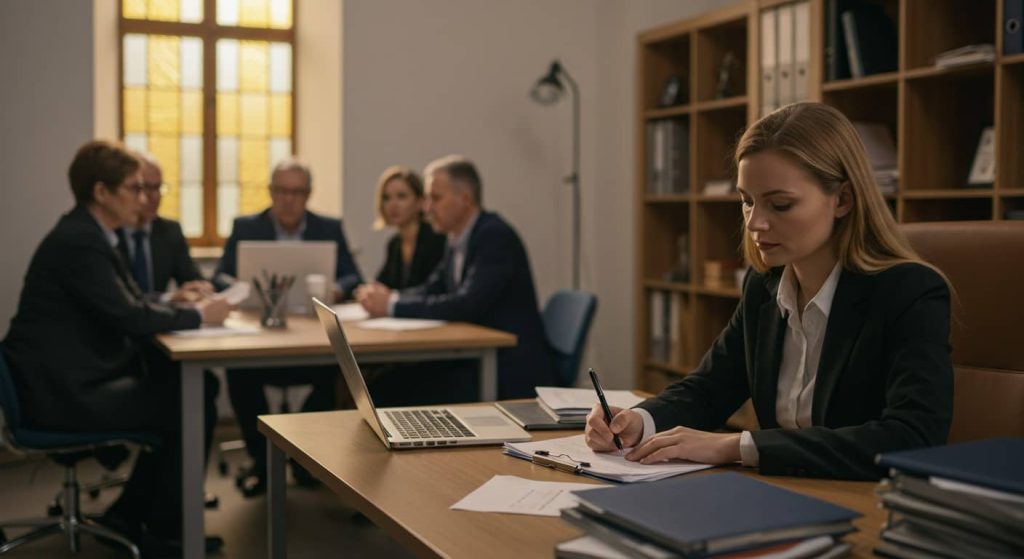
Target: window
{"points": [[207, 87]]}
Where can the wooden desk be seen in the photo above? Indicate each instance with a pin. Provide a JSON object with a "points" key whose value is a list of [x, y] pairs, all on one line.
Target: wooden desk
{"points": [[304, 343], [407, 493]]}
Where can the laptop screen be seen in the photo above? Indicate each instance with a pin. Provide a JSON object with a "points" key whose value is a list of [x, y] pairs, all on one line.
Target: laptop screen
{"points": [[349, 367]]}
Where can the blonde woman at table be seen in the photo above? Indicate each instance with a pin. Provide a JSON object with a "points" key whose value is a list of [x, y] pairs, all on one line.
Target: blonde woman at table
{"points": [[415, 249], [841, 337]]}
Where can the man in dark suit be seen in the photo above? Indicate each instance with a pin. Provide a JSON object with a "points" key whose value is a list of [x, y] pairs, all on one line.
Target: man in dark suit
{"points": [[484, 278], [155, 248], [79, 348], [287, 219]]}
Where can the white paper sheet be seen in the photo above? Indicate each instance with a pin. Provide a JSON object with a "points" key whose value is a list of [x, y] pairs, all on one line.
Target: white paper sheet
{"points": [[351, 312], [567, 399], [605, 465], [399, 324], [516, 495]]}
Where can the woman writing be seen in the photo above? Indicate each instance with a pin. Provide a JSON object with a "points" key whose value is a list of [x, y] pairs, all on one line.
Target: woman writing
{"points": [[415, 250], [841, 337]]}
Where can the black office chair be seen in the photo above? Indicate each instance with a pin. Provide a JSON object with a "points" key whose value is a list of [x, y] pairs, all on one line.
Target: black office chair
{"points": [[567, 317], [66, 449]]}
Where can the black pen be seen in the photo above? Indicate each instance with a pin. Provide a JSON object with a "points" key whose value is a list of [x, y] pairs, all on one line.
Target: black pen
{"points": [[604, 406]]}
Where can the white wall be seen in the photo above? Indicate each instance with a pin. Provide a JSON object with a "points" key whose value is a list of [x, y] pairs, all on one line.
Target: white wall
{"points": [[423, 79], [46, 105]]}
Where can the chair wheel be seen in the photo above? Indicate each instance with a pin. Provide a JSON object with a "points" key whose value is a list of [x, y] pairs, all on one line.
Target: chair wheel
{"points": [[54, 510]]}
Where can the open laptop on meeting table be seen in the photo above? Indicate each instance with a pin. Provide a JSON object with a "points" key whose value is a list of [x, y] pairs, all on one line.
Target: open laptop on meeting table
{"points": [[421, 426]]}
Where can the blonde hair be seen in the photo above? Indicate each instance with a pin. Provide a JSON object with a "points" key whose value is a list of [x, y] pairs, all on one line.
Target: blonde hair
{"points": [[823, 141], [391, 173]]}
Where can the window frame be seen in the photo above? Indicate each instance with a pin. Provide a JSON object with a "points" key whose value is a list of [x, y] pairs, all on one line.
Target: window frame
{"points": [[208, 31]]}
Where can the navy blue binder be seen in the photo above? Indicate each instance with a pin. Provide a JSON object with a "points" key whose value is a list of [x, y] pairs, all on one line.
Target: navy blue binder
{"points": [[715, 513], [1013, 19], [993, 463]]}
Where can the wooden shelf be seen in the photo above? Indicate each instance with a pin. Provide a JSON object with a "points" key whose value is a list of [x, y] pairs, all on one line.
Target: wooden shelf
{"points": [[678, 370], [667, 198], [944, 73], [667, 112], [947, 194], [739, 102], [733, 197], [668, 286], [1010, 192], [886, 79], [718, 291], [1012, 59]]}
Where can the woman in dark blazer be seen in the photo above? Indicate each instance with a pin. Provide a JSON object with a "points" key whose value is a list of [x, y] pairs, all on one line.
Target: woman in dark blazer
{"points": [[841, 338], [415, 249]]}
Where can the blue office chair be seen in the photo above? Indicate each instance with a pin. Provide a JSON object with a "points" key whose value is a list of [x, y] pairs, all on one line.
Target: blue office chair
{"points": [[567, 317], [65, 449]]}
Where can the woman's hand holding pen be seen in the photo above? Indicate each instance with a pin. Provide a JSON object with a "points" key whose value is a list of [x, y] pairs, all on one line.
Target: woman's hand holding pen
{"points": [[627, 424], [683, 443]]}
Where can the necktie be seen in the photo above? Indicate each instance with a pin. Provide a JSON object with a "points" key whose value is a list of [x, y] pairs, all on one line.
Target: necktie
{"points": [[139, 268]]}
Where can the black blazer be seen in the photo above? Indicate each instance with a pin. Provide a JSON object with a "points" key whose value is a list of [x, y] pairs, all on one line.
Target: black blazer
{"points": [[74, 346], [885, 381], [429, 250], [169, 253], [260, 227], [496, 291]]}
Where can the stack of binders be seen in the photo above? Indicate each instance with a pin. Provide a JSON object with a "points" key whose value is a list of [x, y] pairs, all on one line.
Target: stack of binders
{"points": [[716, 515], [962, 500]]}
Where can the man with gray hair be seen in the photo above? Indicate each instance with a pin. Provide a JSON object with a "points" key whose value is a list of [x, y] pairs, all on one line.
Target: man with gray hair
{"points": [[485, 278], [287, 219]]}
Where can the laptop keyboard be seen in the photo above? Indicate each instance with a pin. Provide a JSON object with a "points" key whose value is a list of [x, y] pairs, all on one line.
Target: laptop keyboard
{"points": [[428, 424]]}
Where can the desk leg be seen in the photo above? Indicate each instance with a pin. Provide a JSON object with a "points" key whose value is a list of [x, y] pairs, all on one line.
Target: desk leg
{"points": [[276, 521], [192, 462], [489, 375]]}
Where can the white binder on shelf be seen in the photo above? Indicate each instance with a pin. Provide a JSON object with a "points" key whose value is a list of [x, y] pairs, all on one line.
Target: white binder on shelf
{"points": [[785, 61], [802, 50], [769, 69]]}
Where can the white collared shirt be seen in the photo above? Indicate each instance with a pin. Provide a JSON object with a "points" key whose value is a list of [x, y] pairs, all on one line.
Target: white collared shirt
{"points": [[801, 354], [459, 244]]}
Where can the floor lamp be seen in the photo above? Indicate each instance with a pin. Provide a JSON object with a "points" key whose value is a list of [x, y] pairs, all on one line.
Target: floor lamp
{"points": [[547, 91]]}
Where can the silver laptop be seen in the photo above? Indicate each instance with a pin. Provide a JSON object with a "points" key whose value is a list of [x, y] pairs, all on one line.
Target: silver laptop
{"points": [[296, 258], [417, 427]]}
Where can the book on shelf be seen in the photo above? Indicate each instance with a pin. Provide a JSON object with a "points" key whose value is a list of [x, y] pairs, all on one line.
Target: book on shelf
{"points": [[870, 37], [1013, 32], [983, 169], [837, 63], [967, 55], [719, 187], [881, 150], [665, 335], [668, 155]]}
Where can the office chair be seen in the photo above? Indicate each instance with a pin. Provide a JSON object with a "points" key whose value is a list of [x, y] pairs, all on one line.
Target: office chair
{"points": [[982, 259], [65, 449], [567, 317]]}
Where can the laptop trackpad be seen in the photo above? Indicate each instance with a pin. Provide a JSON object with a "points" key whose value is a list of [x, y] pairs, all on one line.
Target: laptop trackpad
{"points": [[486, 421]]}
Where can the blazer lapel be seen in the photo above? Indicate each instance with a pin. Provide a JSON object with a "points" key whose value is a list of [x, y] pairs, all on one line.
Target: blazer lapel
{"points": [[845, 321], [771, 329]]}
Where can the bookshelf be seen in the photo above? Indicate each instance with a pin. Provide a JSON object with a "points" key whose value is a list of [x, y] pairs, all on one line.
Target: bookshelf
{"points": [[935, 117]]}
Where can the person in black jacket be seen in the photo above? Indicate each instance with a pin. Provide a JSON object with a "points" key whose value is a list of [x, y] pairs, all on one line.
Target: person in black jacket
{"points": [[155, 247], [485, 278], [415, 249], [287, 219], [79, 346], [841, 337]]}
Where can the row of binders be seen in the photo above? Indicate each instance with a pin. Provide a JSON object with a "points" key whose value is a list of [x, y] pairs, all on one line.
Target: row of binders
{"points": [[668, 157], [962, 500], [724, 515], [785, 55]]}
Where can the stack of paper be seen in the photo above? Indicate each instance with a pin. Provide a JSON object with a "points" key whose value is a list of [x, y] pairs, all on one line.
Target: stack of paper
{"points": [[971, 54], [962, 500], [709, 516], [571, 405], [613, 466]]}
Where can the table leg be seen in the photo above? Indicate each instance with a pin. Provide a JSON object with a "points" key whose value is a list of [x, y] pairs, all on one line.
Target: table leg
{"points": [[276, 521], [489, 375], [192, 460]]}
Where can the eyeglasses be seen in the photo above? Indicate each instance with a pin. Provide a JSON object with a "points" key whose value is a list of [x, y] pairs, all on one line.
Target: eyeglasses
{"points": [[135, 188], [154, 188], [289, 192]]}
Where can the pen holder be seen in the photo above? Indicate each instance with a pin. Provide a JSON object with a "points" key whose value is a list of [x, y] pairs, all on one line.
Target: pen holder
{"points": [[275, 309]]}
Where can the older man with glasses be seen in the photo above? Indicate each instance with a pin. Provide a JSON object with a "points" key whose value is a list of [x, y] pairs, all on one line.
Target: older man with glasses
{"points": [[155, 248], [287, 219]]}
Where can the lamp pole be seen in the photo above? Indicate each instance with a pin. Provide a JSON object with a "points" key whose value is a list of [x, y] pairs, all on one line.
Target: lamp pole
{"points": [[574, 179]]}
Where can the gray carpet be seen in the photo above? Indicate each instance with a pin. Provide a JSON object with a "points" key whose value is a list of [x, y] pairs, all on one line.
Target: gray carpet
{"points": [[319, 525]]}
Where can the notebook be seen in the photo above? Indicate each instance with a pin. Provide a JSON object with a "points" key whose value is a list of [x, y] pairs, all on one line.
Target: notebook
{"points": [[419, 427], [994, 463]]}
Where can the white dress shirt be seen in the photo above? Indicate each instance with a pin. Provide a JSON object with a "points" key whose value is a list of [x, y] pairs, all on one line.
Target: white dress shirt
{"points": [[801, 353]]}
